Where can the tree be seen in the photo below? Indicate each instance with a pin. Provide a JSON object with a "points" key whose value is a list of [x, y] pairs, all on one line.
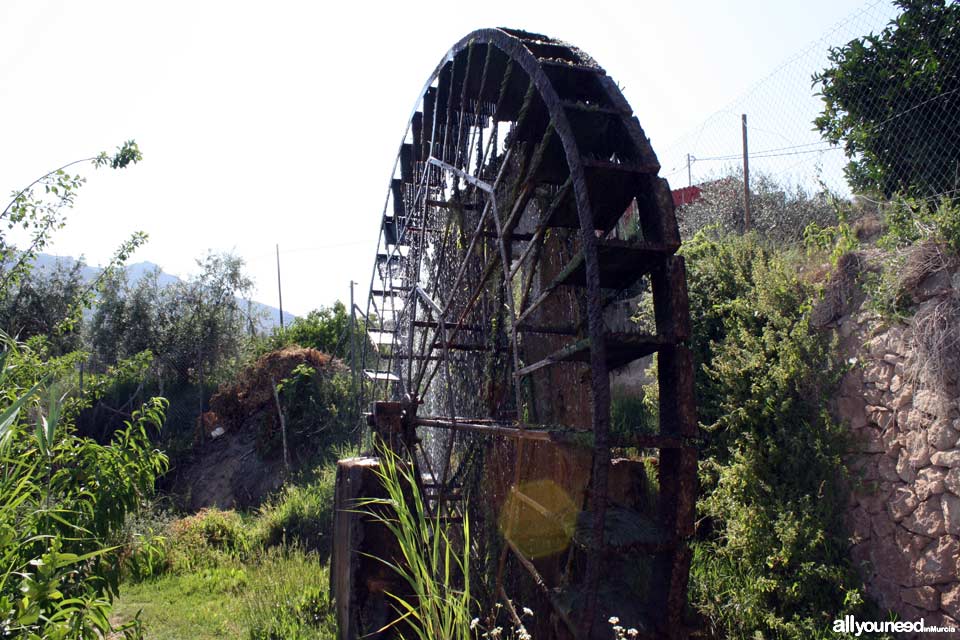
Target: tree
{"points": [[780, 212], [893, 99], [193, 325], [40, 301], [40, 215]]}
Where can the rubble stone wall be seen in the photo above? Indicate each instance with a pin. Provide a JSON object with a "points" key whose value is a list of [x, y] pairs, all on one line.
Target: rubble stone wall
{"points": [[905, 458]]}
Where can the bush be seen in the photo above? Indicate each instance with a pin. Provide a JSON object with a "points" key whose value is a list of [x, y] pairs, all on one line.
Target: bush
{"points": [[771, 552], [208, 539], [907, 221], [301, 514], [63, 498], [778, 212]]}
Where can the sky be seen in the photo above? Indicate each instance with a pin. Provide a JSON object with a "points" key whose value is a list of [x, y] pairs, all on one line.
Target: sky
{"points": [[265, 124]]}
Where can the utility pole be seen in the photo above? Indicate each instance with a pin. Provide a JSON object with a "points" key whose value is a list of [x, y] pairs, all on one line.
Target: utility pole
{"points": [[203, 432], [689, 174], [353, 344], [279, 289], [746, 177]]}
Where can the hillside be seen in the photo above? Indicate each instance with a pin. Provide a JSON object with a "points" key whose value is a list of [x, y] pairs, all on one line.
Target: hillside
{"points": [[136, 271]]}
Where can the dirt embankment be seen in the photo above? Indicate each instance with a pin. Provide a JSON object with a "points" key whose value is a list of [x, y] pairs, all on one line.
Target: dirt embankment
{"points": [[232, 466]]}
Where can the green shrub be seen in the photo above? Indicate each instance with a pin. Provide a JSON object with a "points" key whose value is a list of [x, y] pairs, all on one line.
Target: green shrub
{"points": [[317, 406], [301, 514], [63, 498], [771, 553], [629, 414], [907, 221], [208, 539]]}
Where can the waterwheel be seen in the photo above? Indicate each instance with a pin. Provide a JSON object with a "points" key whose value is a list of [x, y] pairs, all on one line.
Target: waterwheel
{"points": [[527, 254]]}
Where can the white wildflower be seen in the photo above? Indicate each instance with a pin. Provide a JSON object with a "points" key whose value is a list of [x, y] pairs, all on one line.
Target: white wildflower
{"points": [[613, 620], [527, 611]]}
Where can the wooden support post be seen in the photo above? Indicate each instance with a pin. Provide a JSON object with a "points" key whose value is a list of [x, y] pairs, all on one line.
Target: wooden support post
{"points": [[363, 586], [283, 428]]}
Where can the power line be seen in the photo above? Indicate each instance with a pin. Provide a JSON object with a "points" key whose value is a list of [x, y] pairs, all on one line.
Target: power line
{"points": [[770, 153]]}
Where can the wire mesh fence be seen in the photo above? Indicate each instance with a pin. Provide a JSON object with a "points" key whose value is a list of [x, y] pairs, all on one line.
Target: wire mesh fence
{"points": [[869, 109]]}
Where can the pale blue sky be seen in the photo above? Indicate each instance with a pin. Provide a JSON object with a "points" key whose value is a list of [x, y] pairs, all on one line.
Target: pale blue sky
{"points": [[278, 122]]}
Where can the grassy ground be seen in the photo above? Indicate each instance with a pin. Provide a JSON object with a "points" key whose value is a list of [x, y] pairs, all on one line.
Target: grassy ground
{"points": [[279, 594], [223, 574]]}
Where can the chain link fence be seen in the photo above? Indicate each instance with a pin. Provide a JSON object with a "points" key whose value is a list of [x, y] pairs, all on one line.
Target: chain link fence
{"points": [[901, 113]]}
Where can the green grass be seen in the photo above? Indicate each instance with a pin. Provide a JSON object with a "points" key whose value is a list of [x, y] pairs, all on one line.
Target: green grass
{"points": [[224, 574], [281, 593]]}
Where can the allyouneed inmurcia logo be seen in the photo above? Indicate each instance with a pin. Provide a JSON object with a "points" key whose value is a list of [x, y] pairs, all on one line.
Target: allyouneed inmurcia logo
{"points": [[849, 624]]}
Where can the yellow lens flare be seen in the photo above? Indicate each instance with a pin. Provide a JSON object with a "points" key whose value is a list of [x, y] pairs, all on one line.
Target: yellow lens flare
{"points": [[539, 518]]}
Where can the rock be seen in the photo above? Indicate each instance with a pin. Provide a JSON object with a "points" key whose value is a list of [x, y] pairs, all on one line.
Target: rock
{"points": [[926, 598], [952, 481], [863, 467], [879, 415], [895, 339], [950, 601], [873, 394], [932, 403], [889, 561], [915, 445], [944, 622], [860, 555], [918, 420], [946, 458], [904, 470], [847, 327], [902, 416], [876, 347], [890, 435], [930, 482], [938, 564], [852, 409], [882, 525], [892, 358], [851, 384], [896, 383], [933, 285], [926, 519], [879, 373], [886, 592], [910, 544], [869, 441], [941, 435], [860, 521], [887, 469], [902, 503], [875, 501], [904, 399], [950, 504]]}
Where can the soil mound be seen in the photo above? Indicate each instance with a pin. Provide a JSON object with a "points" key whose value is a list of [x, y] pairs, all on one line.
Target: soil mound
{"points": [[230, 469], [252, 391]]}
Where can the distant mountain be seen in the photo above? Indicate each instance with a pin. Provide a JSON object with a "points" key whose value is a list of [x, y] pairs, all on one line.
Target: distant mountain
{"points": [[136, 271]]}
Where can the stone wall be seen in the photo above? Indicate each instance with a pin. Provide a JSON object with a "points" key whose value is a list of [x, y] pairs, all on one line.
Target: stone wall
{"points": [[905, 498]]}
